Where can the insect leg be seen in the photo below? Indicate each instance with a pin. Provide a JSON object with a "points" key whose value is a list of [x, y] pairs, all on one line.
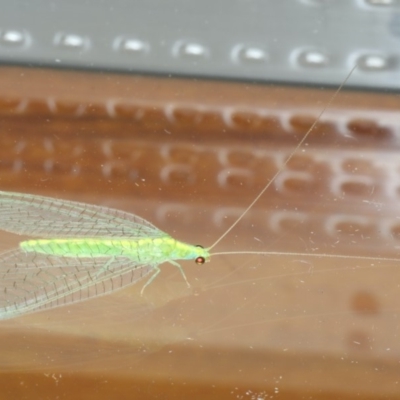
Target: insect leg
{"points": [[156, 267], [181, 271]]}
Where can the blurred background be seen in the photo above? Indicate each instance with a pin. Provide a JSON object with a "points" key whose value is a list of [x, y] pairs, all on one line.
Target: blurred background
{"points": [[181, 112]]}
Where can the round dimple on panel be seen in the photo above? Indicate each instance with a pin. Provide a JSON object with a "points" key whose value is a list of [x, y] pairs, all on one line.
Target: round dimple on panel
{"points": [[259, 164], [246, 119], [295, 181], [131, 45], [286, 221], [252, 120], [177, 174], [13, 38], [301, 123], [350, 226], [365, 303], [71, 41], [235, 178], [151, 116], [353, 229], [365, 128], [357, 186], [249, 55], [312, 58], [185, 115], [190, 50], [375, 62]]}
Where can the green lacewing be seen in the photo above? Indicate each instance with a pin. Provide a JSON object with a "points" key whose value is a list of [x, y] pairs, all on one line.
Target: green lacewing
{"points": [[83, 251]]}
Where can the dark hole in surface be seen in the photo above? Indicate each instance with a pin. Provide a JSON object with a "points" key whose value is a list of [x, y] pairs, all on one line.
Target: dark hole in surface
{"points": [[354, 188], [365, 303], [368, 128]]}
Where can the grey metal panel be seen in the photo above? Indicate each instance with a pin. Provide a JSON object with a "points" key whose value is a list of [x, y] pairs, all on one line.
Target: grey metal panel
{"points": [[294, 41]]}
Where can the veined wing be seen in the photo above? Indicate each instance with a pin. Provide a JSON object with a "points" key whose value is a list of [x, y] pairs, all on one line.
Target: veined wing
{"points": [[46, 217], [31, 282]]}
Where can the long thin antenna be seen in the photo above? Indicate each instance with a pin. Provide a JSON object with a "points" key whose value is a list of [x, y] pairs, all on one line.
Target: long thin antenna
{"points": [[287, 160], [317, 255]]}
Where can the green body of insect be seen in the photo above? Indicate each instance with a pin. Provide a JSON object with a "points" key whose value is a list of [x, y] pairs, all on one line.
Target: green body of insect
{"points": [[84, 251], [147, 251]]}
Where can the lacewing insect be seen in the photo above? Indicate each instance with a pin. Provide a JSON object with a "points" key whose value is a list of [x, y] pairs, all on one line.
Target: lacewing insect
{"points": [[83, 251]]}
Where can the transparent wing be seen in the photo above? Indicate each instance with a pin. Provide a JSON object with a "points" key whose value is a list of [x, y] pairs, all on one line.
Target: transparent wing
{"points": [[46, 217], [31, 282]]}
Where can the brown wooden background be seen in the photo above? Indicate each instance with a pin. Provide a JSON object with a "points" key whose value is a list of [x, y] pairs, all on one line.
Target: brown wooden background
{"points": [[189, 156]]}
